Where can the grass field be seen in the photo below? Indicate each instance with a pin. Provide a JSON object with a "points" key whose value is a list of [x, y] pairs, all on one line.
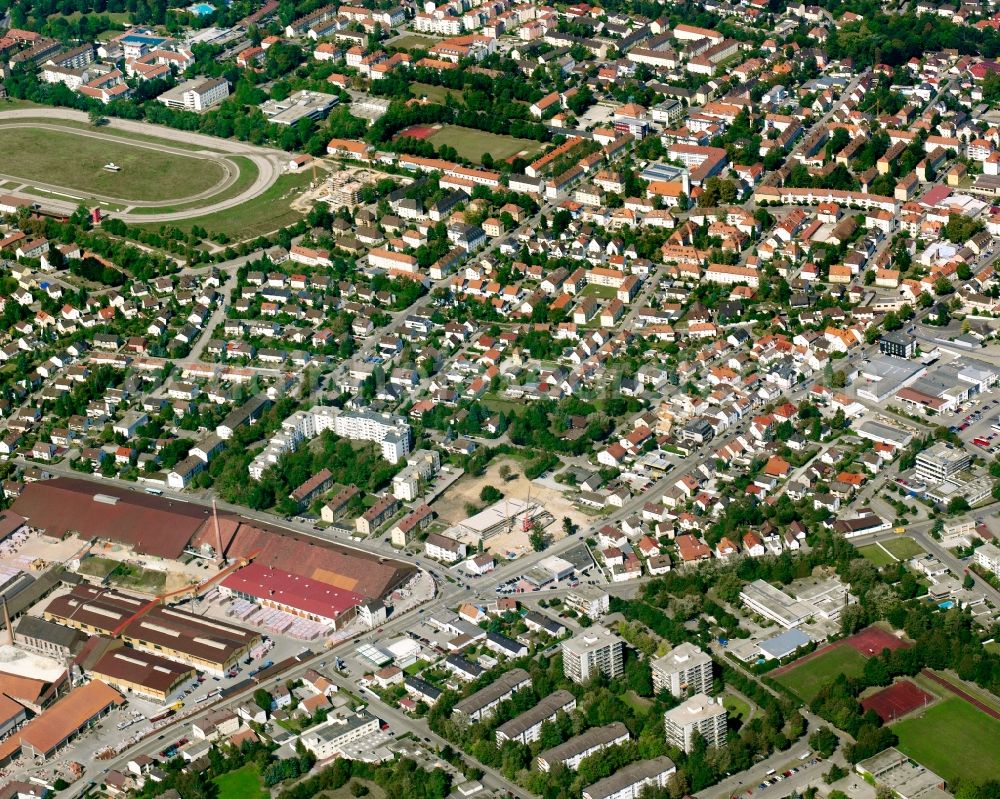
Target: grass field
{"points": [[736, 707], [413, 41], [903, 548], [436, 94], [76, 163], [244, 783], [472, 144], [952, 739], [263, 214], [806, 680], [875, 555], [601, 292], [993, 646], [248, 174]]}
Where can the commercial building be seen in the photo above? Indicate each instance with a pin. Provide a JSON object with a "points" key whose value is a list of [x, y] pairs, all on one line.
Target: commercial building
{"points": [[483, 703], [330, 738], [683, 670], [293, 594], [596, 650], [897, 344], [55, 727], [631, 781], [142, 673], [699, 714], [47, 638], [302, 104], [205, 644], [197, 94], [527, 727], [941, 461], [571, 752]]}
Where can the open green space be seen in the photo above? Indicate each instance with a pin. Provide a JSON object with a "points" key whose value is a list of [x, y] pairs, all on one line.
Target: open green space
{"points": [[436, 94], [244, 783], [993, 646], [263, 214], [875, 555], [414, 41], [116, 17], [736, 707], [248, 174], [806, 680], [953, 739], [601, 292], [76, 162], [903, 548], [125, 575], [471, 144]]}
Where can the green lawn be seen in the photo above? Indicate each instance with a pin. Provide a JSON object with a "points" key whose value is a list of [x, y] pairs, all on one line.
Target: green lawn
{"points": [[263, 214], [806, 680], [953, 739], [875, 555], [244, 783], [736, 707], [601, 292], [436, 94], [413, 41], [993, 646], [472, 144], [76, 162], [248, 174], [903, 548]]}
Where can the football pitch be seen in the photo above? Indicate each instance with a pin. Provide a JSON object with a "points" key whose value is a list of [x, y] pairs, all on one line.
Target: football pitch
{"points": [[806, 679]]}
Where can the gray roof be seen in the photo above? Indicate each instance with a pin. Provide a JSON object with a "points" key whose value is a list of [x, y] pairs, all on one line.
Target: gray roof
{"points": [[504, 685], [32, 627], [784, 644], [630, 775], [595, 736], [544, 710]]}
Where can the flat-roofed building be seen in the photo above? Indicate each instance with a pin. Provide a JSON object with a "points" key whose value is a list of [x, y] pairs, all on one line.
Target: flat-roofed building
{"points": [[987, 556], [699, 714], [941, 461], [330, 738], [483, 703], [570, 753], [631, 781], [774, 604], [596, 650], [527, 727], [683, 670]]}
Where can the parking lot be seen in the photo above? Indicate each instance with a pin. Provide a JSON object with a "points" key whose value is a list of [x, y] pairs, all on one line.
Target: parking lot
{"points": [[977, 421]]}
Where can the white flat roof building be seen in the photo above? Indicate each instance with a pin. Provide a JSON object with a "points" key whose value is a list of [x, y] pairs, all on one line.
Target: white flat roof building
{"points": [[684, 669], [699, 714], [596, 650]]}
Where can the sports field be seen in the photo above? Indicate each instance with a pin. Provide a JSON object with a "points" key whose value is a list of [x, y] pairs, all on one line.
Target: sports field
{"points": [[897, 700], [471, 144], [952, 739], [805, 679], [75, 161]]}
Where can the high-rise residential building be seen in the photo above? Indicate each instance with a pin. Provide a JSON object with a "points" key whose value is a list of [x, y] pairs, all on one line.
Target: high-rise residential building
{"points": [[596, 650], [700, 714], [684, 670]]}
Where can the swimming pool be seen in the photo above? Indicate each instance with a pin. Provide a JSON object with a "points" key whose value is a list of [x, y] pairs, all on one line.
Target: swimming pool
{"points": [[201, 9], [948, 604]]}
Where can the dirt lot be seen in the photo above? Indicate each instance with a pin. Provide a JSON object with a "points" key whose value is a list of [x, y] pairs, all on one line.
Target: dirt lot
{"points": [[451, 506]]}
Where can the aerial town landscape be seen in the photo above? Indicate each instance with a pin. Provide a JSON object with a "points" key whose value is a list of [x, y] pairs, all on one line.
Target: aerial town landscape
{"points": [[489, 399]]}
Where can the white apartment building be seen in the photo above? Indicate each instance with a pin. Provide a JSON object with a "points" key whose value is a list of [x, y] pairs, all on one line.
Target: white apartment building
{"points": [[631, 781], [595, 650], [699, 714], [329, 739], [421, 466], [684, 669], [988, 557]]}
